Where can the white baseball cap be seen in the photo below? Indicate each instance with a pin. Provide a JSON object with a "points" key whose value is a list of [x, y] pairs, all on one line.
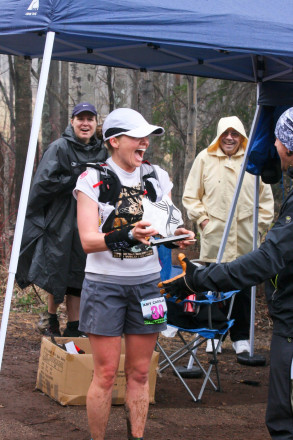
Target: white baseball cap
{"points": [[129, 122]]}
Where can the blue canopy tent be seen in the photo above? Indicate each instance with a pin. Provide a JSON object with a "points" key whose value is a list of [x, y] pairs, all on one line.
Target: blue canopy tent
{"points": [[226, 40], [204, 38]]}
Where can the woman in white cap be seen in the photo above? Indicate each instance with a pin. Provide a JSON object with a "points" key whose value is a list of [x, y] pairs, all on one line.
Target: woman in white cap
{"points": [[271, 262], [208, 197], [122, 269]]}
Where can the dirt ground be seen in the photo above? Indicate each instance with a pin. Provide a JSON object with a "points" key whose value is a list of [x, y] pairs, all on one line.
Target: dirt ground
{"points": [[236, 413]]}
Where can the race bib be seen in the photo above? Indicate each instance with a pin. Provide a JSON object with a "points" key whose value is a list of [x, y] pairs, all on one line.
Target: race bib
{"points": [[154, 310]]}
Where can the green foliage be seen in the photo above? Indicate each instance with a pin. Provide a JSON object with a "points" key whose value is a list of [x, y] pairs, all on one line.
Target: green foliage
{"points": [[28, 301]]}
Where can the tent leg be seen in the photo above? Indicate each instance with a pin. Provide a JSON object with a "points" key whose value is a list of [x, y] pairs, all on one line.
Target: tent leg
{"points": [[26, 186], [251, 358], [255, 235]]}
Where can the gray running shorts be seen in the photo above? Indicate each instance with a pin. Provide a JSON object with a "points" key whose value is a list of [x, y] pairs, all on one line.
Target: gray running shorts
{"points": [[113, 309]]}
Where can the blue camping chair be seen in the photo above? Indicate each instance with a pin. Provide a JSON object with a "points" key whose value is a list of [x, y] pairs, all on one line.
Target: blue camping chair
{"points": [[206, 322]]}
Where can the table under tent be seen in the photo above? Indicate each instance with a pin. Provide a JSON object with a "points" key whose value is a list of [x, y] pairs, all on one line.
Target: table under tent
{"points": [[207, 38]]}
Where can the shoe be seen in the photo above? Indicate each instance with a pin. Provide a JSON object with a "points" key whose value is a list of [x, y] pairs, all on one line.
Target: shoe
{"points": [[52, 330], [72, 331], [49, 325], [241, 346], [209, 348], [43, 322], [74, 334]]}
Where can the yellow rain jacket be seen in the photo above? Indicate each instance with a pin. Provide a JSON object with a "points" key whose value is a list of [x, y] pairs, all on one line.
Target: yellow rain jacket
{"points": [[208, 195]]}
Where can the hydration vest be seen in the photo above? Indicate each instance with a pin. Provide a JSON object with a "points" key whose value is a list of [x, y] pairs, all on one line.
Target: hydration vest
{"points": [[110, 191]]}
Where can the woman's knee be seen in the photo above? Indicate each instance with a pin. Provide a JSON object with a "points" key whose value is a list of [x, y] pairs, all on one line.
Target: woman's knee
{"points": [[105, 377], [138, 375]]}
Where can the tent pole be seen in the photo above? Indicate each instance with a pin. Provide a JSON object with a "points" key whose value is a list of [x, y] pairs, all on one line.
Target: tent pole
{"points": [[254, 247], [253, 289], [26, 186]]}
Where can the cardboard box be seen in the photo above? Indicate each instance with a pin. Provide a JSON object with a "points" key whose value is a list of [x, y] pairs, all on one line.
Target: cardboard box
{"points": [[66, 377]]}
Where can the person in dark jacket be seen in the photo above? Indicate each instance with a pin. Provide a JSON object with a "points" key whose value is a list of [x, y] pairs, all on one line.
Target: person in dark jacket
{"points": [[51, 255], [272, 262]]}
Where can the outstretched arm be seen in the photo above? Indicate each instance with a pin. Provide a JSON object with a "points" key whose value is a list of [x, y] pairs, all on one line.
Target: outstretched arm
{"points": [[248, 270]]}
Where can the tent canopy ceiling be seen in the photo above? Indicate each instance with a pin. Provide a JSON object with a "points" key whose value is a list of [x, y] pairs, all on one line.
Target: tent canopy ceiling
{"points": [[227, 40]]}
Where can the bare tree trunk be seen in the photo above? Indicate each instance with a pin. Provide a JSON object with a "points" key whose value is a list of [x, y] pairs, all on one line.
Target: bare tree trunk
{"points": [[8, 164], [50, 115], [110, 88], [134, 88], [82, 84], [178, 155], [54, 90], [6, 150], [6, 232], [23, 117], [2, 202], [64, 116], [190, 149], [191, 124], [11, 183], [157, 145], [146, 95], [75, 84]]}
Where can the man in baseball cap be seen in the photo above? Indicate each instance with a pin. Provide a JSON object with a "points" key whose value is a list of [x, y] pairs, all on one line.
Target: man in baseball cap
{"points": [[272, 262], [284, 140]]}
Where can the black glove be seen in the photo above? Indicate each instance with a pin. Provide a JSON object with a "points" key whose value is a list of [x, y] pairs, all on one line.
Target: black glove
{"points": [[120, 239], [180, 286]]}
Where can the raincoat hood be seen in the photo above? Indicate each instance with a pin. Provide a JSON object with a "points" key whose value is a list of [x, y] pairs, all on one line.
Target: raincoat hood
{"points": [[223, 125]]}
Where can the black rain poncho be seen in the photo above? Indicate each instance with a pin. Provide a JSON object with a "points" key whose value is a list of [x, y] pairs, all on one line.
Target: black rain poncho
{"points": [[51, 254]]}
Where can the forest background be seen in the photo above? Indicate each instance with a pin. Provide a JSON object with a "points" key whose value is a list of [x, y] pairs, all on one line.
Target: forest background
{"points": [[187, 107]]}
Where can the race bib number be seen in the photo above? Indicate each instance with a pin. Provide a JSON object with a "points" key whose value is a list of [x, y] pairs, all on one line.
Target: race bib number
{"points": [[154, 310]]}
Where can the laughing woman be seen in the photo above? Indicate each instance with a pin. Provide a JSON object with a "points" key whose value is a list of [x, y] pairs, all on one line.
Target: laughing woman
{"points": [[122, 269]]}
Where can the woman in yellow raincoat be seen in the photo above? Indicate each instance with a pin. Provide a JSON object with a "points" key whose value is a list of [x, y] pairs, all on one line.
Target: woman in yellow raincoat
{"points": [[207, 198]]}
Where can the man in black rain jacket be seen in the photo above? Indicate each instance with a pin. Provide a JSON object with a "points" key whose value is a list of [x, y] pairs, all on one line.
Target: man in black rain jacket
{"points": [[271, 262]]}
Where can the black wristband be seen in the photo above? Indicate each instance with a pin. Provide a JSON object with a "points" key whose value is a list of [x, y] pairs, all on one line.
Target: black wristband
{"points": [[116, 240]]}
